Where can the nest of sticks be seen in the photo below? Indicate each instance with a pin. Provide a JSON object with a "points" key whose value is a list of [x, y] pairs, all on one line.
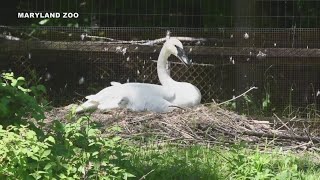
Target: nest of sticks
{"points": [[205, 125]]}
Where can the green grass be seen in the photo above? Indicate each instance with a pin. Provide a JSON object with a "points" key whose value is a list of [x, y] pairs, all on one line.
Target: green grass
{"points": [[200, 162]]}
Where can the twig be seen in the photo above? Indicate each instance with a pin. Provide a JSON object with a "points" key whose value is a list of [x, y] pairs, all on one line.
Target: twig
{"points": [[115, 40], [9, 37], [280, 136], [305, 130], [148, 42], [314, 148], [156, 41], [298, 146], [188, 127], [285, 124], [144, 176], [177, 107], [16, 38], [183, 133], [144, 42], [252, 88]]}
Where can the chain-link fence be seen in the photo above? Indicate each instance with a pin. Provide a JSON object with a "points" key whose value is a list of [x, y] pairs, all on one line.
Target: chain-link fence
{"points": [[270, 44], [282, 63], [177, 13]]}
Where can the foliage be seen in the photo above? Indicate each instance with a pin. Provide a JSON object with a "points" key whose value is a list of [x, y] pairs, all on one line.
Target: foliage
{"points": [[23, 155], [17, 102], [78, 150], [75, 150], [92, 156]]}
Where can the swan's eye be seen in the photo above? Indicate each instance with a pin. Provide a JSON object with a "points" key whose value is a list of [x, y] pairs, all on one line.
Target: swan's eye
{"points": [[180, 51], [182, 55]]}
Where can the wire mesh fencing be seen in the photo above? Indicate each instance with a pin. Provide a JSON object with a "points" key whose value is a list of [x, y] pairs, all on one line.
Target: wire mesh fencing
{"points": [[282, 63], [167, 13]]}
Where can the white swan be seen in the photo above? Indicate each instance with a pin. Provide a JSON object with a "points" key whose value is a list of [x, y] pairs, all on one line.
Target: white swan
{"points": [[149, 97]]}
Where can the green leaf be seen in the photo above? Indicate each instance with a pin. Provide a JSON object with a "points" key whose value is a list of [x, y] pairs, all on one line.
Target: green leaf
{"points": [[128, 175], [46, 153], [95, 153], [116, 139], [24, 89], [116, 129], [50, 139], [31, 135], [48, 166], [92, 132], [20, 79], [81, 169], [44, 21], [62, 176], [41, 88], [34, 157], [35, 149], [36, 175], [14, 82]]}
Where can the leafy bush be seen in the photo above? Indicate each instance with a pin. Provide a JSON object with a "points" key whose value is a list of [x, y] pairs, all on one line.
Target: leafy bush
{"points": [[75, 150], [67, 151], [92, 156], [16, 101], [23, 155]]}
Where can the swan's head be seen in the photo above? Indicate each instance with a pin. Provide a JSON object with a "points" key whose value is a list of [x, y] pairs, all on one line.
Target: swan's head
{"points": [[174, 46]]}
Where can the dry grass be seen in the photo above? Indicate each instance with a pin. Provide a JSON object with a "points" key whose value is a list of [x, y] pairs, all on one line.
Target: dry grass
{"points": [[203, 125]]}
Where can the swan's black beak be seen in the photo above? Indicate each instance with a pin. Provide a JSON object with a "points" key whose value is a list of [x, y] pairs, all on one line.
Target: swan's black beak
{"points": [[182, 56]]}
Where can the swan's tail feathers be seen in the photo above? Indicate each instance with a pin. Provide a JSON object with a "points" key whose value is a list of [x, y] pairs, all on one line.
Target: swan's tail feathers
{"points": [[88, 105], [90, 97], [113, 83]]}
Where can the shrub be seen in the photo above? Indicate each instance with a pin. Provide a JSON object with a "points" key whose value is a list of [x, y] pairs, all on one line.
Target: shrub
{"points": [[23, 155], [16, 102], [68, 151], [75, 150]]}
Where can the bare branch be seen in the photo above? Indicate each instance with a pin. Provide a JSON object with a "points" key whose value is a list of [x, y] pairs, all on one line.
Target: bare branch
{"points": [[143, 42], [144, 176], [252, 88]]}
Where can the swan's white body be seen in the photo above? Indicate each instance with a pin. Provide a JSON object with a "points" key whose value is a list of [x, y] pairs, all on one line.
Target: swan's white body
{"points": [[148, 97]]}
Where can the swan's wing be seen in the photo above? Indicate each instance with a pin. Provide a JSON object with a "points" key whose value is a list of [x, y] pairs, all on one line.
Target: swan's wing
{"points": [[169, 94], [148, 90], [108, 97], [139, 89], [158, 104], [136, 96], [111, 103]]}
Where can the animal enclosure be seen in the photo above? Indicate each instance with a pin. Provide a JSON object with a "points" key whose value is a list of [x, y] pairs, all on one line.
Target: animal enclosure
{"points": [[225, 65], [274, 46]]}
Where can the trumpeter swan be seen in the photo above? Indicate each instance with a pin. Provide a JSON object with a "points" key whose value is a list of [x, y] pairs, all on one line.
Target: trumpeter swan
{"points": [[149, 97]]}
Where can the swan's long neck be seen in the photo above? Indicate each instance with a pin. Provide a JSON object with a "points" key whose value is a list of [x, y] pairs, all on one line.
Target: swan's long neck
{"points": [[164, 77]]}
